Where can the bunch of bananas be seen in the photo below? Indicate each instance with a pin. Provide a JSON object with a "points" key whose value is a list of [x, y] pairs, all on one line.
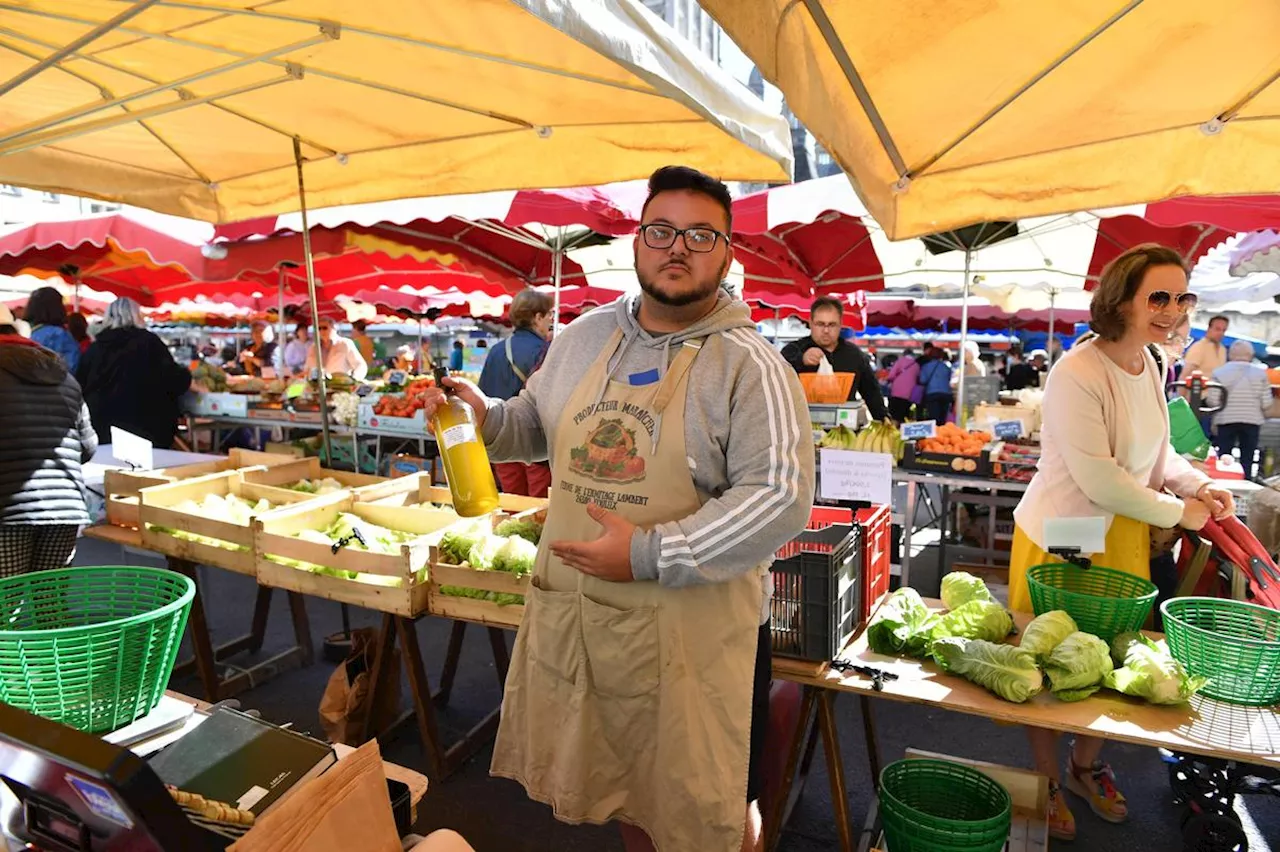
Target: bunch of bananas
{"points": [[881, 437]]}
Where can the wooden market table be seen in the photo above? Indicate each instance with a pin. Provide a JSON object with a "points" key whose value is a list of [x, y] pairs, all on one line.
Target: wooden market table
{"points": [[206, 656], [1204, 726]]}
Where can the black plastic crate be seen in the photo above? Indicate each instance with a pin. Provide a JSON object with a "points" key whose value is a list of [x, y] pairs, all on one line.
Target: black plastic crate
{"points": [[817, 593]]}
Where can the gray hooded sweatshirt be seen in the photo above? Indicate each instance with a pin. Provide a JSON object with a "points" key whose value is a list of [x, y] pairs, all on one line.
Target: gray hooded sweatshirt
{"points": [[747, 436]]}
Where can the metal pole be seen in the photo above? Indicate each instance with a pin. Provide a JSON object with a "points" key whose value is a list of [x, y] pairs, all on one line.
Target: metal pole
{"points": [[315, 307], [1049, 343], [557, 258], [281, 340], [964, 335]]}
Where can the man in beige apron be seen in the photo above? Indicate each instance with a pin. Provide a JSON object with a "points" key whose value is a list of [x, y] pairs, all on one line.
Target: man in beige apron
{"points": [[681, 460]]}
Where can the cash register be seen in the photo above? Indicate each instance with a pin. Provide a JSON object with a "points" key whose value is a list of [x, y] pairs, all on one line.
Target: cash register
{"points": [[62, 790]]}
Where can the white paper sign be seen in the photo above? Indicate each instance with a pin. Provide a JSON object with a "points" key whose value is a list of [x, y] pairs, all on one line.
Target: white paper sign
{"points": [[131, 449], [850, 475], [1086, 535]]}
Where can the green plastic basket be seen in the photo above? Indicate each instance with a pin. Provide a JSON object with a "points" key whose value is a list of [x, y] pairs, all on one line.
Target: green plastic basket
{"points": [[92, 648], [1103, 601], [1236, 645], [940, 806]]}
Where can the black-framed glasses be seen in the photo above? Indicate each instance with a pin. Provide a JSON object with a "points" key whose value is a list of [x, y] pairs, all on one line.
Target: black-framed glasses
{"points": [[701, 240], [1158, 300]]}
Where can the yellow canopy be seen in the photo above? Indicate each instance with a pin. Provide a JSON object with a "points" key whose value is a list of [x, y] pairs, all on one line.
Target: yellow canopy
{"points": [[950, 112], [191, 107]]}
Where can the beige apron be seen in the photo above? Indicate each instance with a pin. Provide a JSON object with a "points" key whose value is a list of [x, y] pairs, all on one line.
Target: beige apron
{"points": [[630, 701]]}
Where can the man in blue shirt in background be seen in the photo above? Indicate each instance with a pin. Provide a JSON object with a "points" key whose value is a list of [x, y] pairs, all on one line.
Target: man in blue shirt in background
{"points": [[507, 368]]}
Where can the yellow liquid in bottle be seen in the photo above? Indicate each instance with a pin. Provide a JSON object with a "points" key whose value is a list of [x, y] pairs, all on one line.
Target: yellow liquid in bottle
{"points": [[466, 463]]}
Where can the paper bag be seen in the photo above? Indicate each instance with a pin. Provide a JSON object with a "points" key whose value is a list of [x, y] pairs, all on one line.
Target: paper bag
{"points": [[347, 700], [346, 808]]}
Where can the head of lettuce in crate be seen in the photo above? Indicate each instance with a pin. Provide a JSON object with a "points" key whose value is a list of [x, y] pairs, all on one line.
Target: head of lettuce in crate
{"points": [[680, 456], [1105, 453]]}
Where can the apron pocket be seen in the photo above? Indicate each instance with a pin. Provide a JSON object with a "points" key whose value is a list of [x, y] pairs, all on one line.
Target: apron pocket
{"points": [[551, 619], [622, 648]]}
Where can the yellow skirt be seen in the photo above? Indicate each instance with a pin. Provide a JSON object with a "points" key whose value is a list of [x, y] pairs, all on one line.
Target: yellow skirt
{"points": [[1128, 549]]}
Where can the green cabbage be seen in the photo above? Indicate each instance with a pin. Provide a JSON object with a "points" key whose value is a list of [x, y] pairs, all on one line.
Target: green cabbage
{"points": [[901, 625], [456, 542], [1076, 667], [484, 552], [1046, 631], [1146, 670], [960, 587], [515, 556], [526, 528], [1006, 670], [976, 619]]}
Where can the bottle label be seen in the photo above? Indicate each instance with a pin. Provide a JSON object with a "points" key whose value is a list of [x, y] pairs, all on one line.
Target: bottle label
{"points": [[463, 433]]}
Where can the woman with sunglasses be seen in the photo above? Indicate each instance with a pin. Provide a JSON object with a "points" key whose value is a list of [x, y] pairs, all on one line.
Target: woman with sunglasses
{"points": [[1105, 453]]}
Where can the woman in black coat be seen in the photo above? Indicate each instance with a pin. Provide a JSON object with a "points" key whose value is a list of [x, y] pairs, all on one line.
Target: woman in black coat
{"points": [[130, 379], [47, 437]]}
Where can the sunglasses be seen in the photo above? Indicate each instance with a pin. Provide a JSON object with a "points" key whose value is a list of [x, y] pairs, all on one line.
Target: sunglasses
{"points": [[1158, 300]]}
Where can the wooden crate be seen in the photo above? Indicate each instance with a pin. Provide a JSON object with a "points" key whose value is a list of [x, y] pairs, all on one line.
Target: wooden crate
{"points": [[157, 510], [416, 489], [1029, 831], [273, 535], [469, 609], [121, 487], [278, 477]]}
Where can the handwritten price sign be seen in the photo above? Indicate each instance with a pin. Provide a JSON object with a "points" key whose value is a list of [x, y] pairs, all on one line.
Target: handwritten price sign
{"points": [[850, 475]]}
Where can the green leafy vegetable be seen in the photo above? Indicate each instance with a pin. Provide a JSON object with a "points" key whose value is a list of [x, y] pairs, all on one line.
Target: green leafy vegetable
{"points": [[976, 619], [1005, 670], [960, 587], [1146, 670], [1077, 666], [901, 625], [526, 528], [515, 556], [457, 540], [1046, 631]]}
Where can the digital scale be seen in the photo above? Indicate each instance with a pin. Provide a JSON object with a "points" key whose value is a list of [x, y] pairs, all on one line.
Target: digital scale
{"points": [[839, 414]]}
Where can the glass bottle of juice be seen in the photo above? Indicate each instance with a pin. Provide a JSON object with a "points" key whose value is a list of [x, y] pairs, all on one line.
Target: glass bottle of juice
{"points": [[466, 463]]}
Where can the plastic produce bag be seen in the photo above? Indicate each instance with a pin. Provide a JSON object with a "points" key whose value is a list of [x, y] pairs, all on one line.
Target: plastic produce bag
{"points": [[1187, 437], [824, 368]]}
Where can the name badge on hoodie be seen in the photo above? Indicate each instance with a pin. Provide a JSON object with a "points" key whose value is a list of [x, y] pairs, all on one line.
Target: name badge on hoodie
{"points": [[647, 377]]}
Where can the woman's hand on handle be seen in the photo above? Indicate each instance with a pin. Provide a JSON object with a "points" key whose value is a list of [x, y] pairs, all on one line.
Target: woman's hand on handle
{"points": [[1220, 501], [433, 398], [1195, 514]]}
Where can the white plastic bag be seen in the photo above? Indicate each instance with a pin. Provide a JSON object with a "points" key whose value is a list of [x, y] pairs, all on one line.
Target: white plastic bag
{"points": [[824, 369]]}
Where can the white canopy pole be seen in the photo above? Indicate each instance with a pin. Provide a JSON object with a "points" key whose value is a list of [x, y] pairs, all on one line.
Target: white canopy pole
{"points": [[1053, 296], [964, 336]]}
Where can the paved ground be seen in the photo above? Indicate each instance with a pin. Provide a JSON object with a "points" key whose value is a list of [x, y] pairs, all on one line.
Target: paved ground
{"points": [[496, 816]]}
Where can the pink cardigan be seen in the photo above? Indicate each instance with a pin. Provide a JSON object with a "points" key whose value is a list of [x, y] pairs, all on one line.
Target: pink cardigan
{"points": [[1081, 472]]}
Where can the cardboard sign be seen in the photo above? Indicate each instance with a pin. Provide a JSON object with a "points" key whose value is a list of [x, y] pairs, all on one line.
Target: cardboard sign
{"points": [[131, 449], [1086, 535], [850, 475], [1007, 430], [914, 431]]}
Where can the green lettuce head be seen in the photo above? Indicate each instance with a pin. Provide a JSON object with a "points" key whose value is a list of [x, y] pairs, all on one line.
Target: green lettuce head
{"points": [[1077, 667], [959, 587], [1046, 631], [1147, 671]]}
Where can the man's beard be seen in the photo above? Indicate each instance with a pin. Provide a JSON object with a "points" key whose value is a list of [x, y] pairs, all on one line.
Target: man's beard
{"points": [[705, 289]]}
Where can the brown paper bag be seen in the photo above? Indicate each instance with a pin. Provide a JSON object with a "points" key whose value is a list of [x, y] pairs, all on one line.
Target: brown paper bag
{"points": [[347, 702], [346, 808]]}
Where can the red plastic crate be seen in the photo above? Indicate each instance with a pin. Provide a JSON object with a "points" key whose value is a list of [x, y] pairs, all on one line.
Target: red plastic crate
{"points": [[877, 527]]}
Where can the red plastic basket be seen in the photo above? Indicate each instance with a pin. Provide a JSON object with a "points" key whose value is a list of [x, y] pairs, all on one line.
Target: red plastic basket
{"points": [[877, 528]]}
